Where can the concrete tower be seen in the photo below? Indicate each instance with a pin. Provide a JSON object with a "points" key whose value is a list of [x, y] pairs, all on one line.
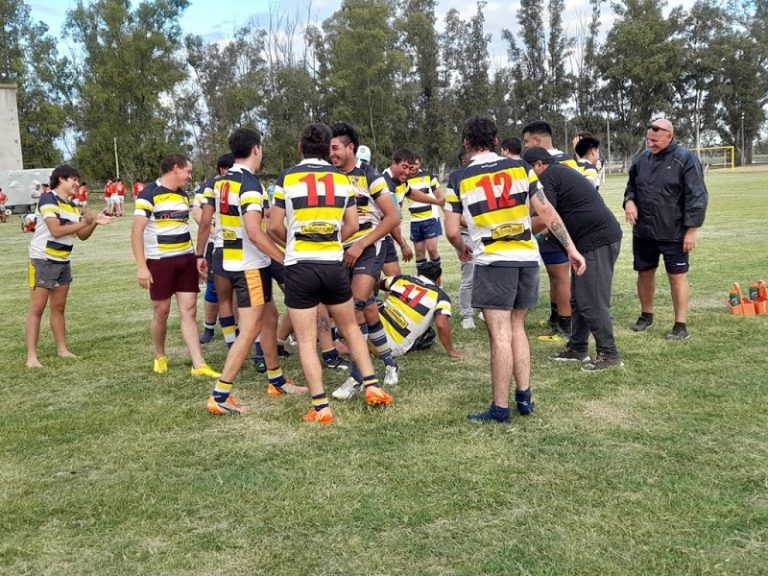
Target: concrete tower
{"points": [[10, 136]]}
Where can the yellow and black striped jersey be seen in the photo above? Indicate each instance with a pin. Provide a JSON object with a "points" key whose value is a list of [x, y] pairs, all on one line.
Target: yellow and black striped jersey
{"points": [[167, 232], [314, 195], [590, 172], [409, 309], [237, 192], [44, 245], [368, 185], [428, 184], [493, 193], [204, 195], [397, 189]]}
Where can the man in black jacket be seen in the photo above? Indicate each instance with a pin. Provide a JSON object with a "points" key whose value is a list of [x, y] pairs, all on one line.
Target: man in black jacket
{"points": [[597, 235], [665, 202]]}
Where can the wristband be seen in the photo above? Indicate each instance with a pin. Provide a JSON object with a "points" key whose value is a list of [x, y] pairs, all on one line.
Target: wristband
{"points": [[199, 256]]}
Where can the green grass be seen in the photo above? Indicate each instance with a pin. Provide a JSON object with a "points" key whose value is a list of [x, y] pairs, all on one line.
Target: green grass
{"points": [[106, 468]]}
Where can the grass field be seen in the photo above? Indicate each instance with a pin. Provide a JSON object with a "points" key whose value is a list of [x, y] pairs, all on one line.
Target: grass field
{"points": [[659, 469]]}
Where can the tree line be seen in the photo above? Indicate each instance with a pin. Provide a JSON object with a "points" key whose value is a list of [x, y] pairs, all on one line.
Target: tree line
{"points": [[386, 66]]}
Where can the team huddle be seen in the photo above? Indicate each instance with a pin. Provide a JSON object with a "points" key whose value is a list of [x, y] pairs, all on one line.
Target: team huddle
{"points": [[326, 234]]}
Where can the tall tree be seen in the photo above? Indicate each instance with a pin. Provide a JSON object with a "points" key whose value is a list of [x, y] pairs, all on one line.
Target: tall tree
{"points": [[130, 64], [29, 59], [640, 63], [702, 35], [742, 83], [464, 46], [423, 83], [224, 91], [362, 61]]}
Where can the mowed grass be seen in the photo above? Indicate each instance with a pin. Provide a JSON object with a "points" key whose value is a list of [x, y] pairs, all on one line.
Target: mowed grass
{"points": [[107, 468]]}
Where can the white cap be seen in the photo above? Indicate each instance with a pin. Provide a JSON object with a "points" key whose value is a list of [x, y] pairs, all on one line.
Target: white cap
{"points": [[364, 153]]}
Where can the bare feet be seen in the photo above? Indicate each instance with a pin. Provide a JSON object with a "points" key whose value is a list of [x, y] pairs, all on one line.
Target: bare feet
{"points": [[33, 363], [66, 354]]}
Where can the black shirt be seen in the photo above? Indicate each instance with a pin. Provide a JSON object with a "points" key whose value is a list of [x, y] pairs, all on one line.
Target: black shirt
{"points": [[586, 217]]}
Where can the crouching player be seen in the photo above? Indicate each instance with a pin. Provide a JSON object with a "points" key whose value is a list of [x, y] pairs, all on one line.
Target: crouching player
{"points": [[412, 304]]}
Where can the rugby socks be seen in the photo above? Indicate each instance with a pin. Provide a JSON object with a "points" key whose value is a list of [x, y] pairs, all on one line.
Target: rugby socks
{"points": [[275, 377], [436, 261], [371, 380], [354, 372], [378, 338], [552, 314], [331, 356], [229, 329], [209, 325], [258, 351], [320, 401], [364, 330], [221, 390]]}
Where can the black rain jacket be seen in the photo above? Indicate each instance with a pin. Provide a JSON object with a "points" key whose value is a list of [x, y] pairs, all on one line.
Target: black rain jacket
{"points": [[669, 191]]}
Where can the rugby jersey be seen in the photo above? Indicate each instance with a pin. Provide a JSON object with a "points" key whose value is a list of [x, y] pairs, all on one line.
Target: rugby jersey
{"points": [[428, 184], [397, 189], [493, 193], [368, 186], [204, 195], [44, 245], [314, 195], [408, 310], [237, 192], [167, 232], [590, 172], [548, 243]]}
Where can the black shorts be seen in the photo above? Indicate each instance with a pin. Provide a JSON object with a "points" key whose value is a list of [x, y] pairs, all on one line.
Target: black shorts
{"points": [[388, 250], [371, 262], [172, 275], [277, 273], [646, 253], [209, 260], [217, 261], [505, 288], [308, 284], [250, 287]]}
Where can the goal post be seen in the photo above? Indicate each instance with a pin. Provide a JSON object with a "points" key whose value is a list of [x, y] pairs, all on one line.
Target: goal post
{"points": [[717, 157]]}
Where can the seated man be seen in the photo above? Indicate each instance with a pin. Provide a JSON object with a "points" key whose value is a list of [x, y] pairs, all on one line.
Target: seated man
{"points": [[411, 305]]}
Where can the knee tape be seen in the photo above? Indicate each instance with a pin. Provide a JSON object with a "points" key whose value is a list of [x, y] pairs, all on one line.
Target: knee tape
{"points": [[359, 304], [210, 293]]}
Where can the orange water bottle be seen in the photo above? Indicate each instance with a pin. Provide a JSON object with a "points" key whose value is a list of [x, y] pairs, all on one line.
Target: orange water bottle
{"points": [[754, 291], [734, 298]]}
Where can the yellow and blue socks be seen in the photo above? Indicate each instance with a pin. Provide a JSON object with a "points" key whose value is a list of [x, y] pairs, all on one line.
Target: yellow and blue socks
{"points": [[378, 338], [276, 378], [228, 329], [320, 401], [371, 380], [222, 390]]}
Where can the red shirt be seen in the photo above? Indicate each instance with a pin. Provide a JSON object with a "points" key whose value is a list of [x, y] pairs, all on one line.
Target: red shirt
{"points": [[3, 198], [82, 194], [137, 188], [120, 188], [109, 189]]}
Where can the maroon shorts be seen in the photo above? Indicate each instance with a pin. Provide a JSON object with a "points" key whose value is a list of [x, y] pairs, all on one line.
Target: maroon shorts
{"points": [[172, 275]]}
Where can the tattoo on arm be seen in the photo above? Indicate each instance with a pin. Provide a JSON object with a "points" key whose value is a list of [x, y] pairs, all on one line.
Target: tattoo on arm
{"points": [[558, 229], [540, 196]]}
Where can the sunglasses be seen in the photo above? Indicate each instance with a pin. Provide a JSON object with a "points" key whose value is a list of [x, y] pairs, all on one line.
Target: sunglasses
{"points": [[654, 128]]}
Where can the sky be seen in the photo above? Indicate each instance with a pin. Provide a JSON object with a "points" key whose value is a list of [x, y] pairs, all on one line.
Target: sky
{"points": [[218, 19]]}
